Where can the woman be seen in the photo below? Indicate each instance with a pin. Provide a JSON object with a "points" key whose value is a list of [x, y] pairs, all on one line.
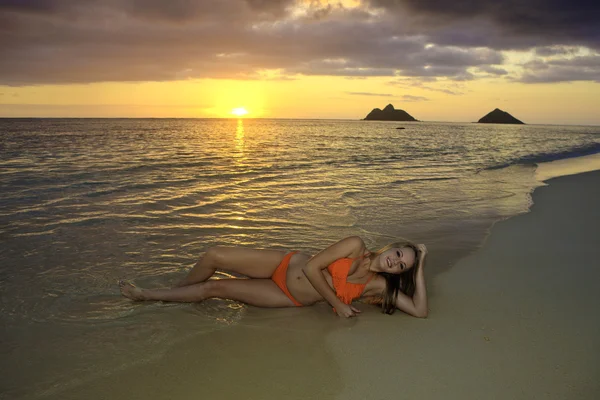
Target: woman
{"points": [[345, 271]]}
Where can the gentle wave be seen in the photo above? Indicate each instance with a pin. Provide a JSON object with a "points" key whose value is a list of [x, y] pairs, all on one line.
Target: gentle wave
{"points": [[124, 197], [84, 203], [536, 158], [401, 181]]}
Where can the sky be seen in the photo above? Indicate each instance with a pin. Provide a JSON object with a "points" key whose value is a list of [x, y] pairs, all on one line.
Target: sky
{"points": [[438, 60]]}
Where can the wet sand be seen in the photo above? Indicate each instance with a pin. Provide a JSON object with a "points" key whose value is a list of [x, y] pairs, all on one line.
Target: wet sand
{"points": [[278, 353], [517, 319]]}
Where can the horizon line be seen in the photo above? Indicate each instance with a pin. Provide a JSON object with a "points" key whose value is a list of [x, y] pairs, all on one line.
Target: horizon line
{"points": [[300, 118]]}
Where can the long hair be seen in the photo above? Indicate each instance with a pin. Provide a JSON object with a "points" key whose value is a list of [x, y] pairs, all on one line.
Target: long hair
{"points": [[404, 282]]}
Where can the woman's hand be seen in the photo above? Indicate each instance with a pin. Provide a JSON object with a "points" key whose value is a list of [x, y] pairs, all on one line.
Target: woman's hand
{"points": [[422, 249], [347, 311]]}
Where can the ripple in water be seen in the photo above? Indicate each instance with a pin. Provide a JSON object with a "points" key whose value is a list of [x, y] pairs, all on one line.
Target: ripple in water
{"points": [[85, 203]]}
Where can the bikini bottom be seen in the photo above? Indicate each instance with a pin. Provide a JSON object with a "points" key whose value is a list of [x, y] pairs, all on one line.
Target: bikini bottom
{"points": [[280, 277]]}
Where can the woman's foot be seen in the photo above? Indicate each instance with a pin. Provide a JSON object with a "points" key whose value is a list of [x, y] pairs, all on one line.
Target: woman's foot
{"points": [[130, 291]]}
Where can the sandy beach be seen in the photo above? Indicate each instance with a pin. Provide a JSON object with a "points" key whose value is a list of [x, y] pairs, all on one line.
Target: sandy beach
{"points": [[515, 320]]}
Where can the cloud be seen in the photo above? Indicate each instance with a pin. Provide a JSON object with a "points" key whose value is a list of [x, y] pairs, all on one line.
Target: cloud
{"points": [[32, 6], [509, 23], [546, 51], [63, 41], [370, 94], [451, 88], [563, 69], [489, 69], [410, 98], [158, 10], [406, 97]]}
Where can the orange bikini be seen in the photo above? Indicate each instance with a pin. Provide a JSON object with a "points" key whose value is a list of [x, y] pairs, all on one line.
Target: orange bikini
{"points": [[280, 276], [339, 269], [345, 291]]}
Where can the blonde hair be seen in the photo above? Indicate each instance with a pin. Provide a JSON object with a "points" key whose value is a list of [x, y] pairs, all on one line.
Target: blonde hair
{"points": [[404, 282]]}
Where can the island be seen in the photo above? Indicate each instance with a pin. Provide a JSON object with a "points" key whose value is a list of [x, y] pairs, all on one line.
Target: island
{"points": [[499, 117], [389, 113]]}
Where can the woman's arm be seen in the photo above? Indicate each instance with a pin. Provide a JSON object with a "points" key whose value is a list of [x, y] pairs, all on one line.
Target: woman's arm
{"points": [[417, 306], [349, 247]]}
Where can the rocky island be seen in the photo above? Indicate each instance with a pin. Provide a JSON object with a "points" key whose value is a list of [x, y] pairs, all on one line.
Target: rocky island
{"points": [[389, 113], [499, 117]]}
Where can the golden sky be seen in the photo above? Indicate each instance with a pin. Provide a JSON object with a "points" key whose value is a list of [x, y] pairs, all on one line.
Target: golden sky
{"points": [[299, 59]]}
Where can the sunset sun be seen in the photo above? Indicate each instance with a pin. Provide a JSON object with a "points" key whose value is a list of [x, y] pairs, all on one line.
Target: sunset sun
{"points": [[239, 112]]}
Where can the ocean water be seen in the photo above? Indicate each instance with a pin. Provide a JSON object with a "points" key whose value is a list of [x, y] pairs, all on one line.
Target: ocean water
{"points": [[85, 202]]}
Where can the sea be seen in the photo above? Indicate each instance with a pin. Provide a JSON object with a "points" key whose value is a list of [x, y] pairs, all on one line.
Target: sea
{"points": [[86, 202]]}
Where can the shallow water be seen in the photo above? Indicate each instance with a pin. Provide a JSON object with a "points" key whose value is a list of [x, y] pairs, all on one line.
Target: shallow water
{"points": [[85, 202]]}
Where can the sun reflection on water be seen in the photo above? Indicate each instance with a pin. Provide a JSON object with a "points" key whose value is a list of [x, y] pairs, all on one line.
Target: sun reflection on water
{"points": [[239, 140]]}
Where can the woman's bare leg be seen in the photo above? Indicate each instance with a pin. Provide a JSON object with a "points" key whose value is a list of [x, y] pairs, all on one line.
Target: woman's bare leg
{"points": [[256, 292], [252, 263]]}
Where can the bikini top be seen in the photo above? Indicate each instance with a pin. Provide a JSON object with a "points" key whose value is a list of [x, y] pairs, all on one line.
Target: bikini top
{"points": [[345, 291]]}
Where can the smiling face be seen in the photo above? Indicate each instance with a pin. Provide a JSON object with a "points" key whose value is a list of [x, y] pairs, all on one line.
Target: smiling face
{"points": [[396, 260]]}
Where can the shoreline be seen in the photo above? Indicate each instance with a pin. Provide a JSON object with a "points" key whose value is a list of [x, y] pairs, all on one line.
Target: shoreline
{"points": [[543, 173], [225, 350], [567, 166], [505, 322], [514, 319]]}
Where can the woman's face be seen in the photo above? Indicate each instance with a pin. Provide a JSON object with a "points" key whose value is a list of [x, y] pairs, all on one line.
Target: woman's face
{"points": [[397, 260]]}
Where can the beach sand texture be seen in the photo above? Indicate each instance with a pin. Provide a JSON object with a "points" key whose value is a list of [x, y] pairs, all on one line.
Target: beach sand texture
{"points": [[517, 319]]}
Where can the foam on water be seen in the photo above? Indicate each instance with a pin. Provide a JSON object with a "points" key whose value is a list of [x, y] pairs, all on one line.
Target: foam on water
{"points": [[568, 166]]}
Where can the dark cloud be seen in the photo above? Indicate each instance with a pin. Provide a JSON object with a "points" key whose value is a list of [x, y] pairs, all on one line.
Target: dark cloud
{"points": [[160, 9], [570, 22], [492, 70], [63, 41], [193, 10], [554, 50], [580, 68], [33, 6]]}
